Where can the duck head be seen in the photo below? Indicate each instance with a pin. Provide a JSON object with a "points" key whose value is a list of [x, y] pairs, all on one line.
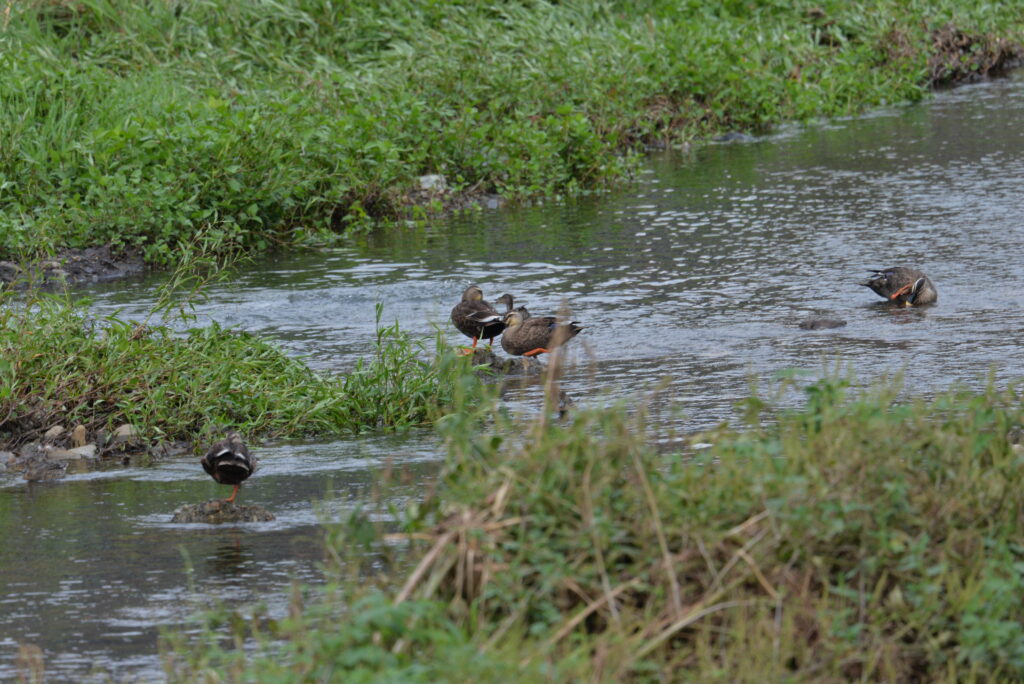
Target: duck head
{"points": [[513, 318]]}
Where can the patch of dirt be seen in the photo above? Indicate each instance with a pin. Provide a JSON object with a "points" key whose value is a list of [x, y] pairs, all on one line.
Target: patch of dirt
{"points": [[959, 57], [73, 267]]}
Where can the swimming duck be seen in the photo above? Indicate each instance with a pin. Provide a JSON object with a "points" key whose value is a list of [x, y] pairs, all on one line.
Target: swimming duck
{"points": [[475, 317], [229, 462], [903, 285], [535, 335]]}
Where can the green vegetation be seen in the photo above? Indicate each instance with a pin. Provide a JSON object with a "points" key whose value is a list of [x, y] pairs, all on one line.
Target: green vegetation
{"points": [[253, 124], [59, 364], [860, 537]]}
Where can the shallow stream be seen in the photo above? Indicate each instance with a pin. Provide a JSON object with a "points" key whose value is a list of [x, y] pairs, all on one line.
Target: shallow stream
{"points": [[699, 272]]}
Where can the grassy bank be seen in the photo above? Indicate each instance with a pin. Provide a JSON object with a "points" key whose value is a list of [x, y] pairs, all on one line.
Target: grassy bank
{"points": [[263, 123], [61, 365], [856, 538]]}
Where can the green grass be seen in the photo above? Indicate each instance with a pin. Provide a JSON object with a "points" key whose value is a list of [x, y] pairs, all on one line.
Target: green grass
{"points": [[61, 365], [859, 537], [259, 123]]}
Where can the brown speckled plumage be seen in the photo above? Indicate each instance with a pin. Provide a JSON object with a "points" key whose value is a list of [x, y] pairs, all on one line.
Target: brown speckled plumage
{"points": [[539, 332], [476, 318], [902, 285]]}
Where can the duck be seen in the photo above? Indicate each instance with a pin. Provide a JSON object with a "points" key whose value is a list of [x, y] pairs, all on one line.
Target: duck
{"points": [[535, 335], [229, 462], [902, 285], [476, 318], [509, 303]]}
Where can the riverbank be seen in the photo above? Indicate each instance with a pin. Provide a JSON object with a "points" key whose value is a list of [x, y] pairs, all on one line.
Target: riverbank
{"points": [[133, 388], [260, 126], [859, 537]]}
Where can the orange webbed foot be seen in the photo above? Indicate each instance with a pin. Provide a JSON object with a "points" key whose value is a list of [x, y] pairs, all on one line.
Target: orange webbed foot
{"points": [[234, 493], [900, 292], [535, 352]]}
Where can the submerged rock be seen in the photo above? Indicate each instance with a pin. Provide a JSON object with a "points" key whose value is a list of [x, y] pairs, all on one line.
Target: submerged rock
{"points": [[821, 323], [220, 511], [45, 470]]}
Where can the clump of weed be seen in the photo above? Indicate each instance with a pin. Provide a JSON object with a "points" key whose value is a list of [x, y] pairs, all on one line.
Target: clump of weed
{"points": [[61, 364], [859, 537]]}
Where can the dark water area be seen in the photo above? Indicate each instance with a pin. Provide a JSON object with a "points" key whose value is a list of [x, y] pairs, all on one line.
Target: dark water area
{"points": [[699, 273]]}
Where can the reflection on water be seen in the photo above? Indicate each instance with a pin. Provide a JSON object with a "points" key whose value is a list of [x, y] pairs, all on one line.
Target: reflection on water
{"points": [[701, 272]]}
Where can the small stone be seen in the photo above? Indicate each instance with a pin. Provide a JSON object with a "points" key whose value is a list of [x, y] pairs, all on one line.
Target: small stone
{"points": [[86, 451], [78, 436], [53, 433], [7, 458], [433, 182]]}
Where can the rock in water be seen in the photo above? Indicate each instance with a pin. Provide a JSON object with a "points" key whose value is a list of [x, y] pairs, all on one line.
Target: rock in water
{"points": [[821, 323], [220, 511]]}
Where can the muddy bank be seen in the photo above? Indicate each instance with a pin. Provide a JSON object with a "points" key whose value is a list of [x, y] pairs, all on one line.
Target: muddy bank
{"points": [[60, 451], [73, 267]]}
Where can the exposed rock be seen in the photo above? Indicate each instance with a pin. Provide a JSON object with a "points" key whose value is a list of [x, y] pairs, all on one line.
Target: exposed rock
{"points": [[87, 451], [45, 470], [125, 438], [506, 365], [433, 182], [78, 436], [125, 433], [58, 454], [821, 323], [30, 450], [53, 434], [219, 511]]}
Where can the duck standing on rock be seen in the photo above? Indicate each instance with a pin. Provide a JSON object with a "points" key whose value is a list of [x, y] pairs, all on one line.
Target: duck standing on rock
{"points": [[229, 462], [475, 317], [902, 285], [535, 335]]}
